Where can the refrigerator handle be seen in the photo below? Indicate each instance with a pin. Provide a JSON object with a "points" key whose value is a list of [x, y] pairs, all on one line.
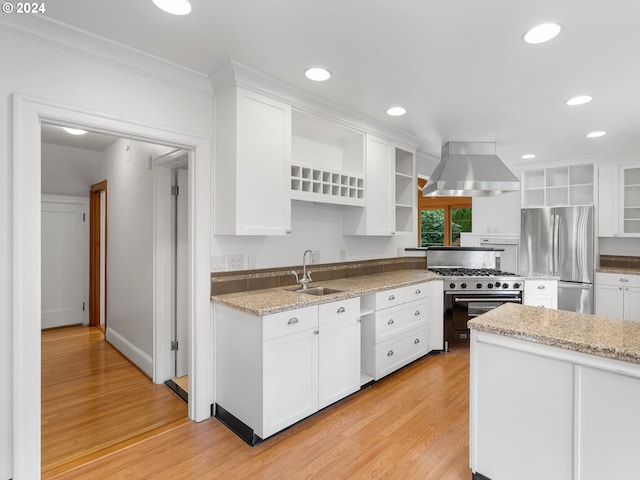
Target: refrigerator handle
{"points": [[556, 242]]}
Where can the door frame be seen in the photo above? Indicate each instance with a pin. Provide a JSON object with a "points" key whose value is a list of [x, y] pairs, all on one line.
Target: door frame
{"points": [[27, 115], [95, 244]]}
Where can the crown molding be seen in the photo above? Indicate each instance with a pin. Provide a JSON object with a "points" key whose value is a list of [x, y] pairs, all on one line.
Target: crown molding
{"points": [[80, 42]]}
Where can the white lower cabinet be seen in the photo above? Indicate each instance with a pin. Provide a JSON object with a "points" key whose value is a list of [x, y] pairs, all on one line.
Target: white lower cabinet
{"points": [[541, 293], [399, 326], [618, 295], [275, 370], [545, 412]]}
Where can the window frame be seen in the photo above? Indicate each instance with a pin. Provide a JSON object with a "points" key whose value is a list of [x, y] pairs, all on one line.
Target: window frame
{"points": [[440, 203]]}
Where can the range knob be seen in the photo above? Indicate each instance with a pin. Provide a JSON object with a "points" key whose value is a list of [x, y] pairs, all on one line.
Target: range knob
{"points": [[504, 285], [516, 285], [478, 285], [463, 285], [498, 284], [452, 285], [490, 285]]}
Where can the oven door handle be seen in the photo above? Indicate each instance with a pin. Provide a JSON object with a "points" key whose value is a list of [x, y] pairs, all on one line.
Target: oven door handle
{"points": [[488, 299]]}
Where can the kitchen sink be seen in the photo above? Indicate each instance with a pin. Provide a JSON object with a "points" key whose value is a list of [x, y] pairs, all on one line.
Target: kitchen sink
{"points": [[319, 291]]}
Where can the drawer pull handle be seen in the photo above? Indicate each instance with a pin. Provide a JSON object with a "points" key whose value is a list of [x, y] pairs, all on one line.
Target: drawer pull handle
{"points": [[418, 292], [292, 321], [416, 341], [389, 353], [417, 313], [341, 310], [541, 287], [392, 298], [625, 280], [390, 322]]}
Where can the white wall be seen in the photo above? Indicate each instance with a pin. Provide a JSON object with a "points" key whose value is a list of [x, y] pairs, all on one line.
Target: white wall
{"points": [[619, 246], [125, 166], [497, 214], [113, 84], [68, 171]]}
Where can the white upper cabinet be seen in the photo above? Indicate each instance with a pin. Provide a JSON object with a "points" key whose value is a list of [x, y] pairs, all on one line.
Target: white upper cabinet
{"points": [[252, 164], [619, 200], [558, 186]]}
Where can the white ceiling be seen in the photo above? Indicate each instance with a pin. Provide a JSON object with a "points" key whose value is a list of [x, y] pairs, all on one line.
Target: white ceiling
{"points": [[55, 135], [459, 67]]}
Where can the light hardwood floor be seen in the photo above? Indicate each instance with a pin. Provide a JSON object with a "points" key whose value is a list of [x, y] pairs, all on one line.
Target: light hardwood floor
{"points": [[411, 425], [94, 401]]}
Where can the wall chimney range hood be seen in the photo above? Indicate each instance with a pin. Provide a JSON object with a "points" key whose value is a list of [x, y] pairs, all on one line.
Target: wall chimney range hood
{"points": [[470, 169]]}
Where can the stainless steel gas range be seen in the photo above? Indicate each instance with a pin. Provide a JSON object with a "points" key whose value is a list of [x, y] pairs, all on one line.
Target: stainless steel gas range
{"points": [[472, 286]]}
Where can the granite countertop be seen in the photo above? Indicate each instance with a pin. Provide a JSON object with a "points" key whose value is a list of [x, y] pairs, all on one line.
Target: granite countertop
{"points": [[273, 300], [537, 276], [602, 336], [620, 270]]}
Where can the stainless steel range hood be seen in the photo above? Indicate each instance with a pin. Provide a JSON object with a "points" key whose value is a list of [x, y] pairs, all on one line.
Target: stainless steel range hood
{"points": [[470, 169]]}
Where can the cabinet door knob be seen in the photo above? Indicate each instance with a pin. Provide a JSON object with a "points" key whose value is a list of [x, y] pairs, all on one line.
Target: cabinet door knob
{"points": [[359, 320], [316, 332], [416, 341], [417, 313], [390, 322], [292, 321], [389, 353], [288, 232], [624, 280], [392, 297], [341, 310], [418, 292], [541, 287]]}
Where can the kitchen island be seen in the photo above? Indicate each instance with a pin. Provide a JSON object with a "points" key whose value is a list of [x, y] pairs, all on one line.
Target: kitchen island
{"points": [[553, 395]]}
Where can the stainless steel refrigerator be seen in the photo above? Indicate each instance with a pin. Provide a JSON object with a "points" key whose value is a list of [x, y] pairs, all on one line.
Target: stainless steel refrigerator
{"points": [[559, 241]]}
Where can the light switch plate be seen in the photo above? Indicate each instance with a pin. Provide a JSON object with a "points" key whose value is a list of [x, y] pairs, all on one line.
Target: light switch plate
{"points": [[251, 262], [316, 256], [235, 262], [217, 263]]}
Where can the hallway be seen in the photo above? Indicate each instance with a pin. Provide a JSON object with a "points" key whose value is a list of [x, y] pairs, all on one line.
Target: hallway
{"points": [[94, 401]]}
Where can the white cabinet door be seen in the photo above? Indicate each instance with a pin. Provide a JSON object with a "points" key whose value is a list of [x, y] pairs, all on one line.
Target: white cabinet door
{"points": [[378, 215], [290, 382], [632, 303], [517, 399], [339, 361], [252, 165], [608, 201], [608, 425], [629, 208], [609, 301]]}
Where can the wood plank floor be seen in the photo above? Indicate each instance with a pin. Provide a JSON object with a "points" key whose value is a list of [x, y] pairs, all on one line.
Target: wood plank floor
{"points": [[411, 425], [94, 401]]}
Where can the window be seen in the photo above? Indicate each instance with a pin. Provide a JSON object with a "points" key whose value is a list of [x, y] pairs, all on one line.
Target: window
{"points": [[441, 220]]}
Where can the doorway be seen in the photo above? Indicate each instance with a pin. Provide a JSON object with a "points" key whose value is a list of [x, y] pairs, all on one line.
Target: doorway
{"points": [[98, 256], [29, 114]]}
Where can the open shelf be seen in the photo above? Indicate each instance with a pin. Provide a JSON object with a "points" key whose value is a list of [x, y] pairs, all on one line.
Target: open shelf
{"points": [[558, 186]]}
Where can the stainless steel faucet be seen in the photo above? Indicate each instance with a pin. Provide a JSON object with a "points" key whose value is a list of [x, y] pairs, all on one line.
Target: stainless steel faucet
{"points": [[306, 277]]}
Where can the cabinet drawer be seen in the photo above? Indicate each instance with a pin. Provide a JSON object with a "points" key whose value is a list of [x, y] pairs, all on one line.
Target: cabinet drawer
{"points": [[292, 321], [389, 298], [395, 321], [340, 311], [617, 279], [393, 355], [539, 301], [540, 287], [415, 292]]}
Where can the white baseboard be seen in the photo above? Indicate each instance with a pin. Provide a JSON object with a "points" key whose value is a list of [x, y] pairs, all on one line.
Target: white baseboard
{"points": [[139, 358]]}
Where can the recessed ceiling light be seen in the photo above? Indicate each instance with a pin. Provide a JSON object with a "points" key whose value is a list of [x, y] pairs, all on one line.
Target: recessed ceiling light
{"points": [[542, 33], [396, 111], [599, 133], [579, 100], [175, 7], [317, 74], [528, 156], [74, 131]]}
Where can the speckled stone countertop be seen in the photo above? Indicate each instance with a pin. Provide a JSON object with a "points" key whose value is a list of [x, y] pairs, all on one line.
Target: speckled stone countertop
{"points": [[272, 300], [591, 334], [620, 270], [537, 276]]}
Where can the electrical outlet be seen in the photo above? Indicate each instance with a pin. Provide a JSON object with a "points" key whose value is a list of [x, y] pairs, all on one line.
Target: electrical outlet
{"points": [[316, 256], [251, 262], [217, 263], [400, 251], [235, 262]]}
